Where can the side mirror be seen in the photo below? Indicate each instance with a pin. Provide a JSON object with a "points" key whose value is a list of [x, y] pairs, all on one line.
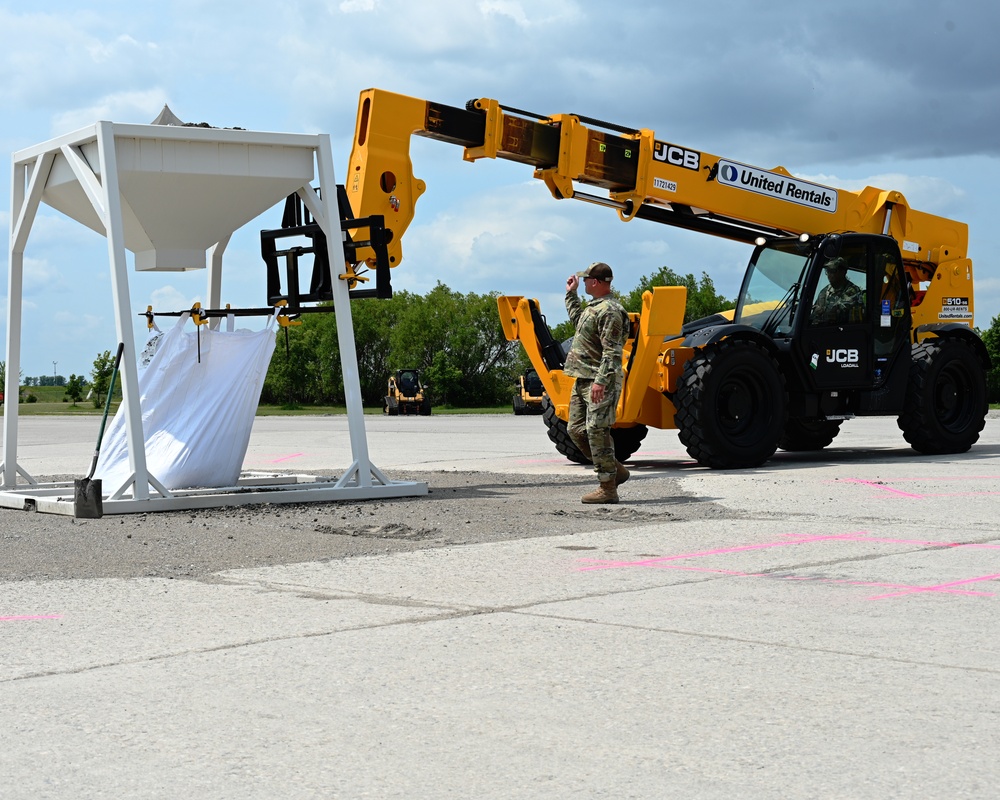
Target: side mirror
{"points": [[831, 246]]}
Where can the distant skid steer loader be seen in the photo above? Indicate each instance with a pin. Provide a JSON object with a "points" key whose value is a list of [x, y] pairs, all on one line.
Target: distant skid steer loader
{"points": [[530, 393], [406, 394]]}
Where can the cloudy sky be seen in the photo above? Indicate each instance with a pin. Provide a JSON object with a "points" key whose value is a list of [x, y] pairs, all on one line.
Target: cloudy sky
{"points": [[899, 95]]}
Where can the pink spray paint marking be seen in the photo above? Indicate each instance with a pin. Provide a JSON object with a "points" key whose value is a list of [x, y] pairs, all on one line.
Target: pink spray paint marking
{"points": [[938, 588], [270, 458], [721, 551], [906, 589], [286, 458], [669, 562], [883, 487], [28, 617]]}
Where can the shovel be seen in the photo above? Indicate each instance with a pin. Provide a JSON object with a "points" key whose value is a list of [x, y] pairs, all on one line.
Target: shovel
{"points": [[88, 498]]}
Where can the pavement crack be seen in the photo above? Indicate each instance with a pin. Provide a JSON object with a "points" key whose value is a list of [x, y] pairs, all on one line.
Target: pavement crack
{"points": [[196, 651], [762, 642]]}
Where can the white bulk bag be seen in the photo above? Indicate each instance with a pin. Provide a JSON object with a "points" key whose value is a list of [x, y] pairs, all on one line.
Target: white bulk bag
{"points": [[196, 415]]}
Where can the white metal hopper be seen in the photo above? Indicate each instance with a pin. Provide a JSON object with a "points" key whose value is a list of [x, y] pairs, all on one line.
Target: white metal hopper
{"points": [[172, 194], [180, 196]]}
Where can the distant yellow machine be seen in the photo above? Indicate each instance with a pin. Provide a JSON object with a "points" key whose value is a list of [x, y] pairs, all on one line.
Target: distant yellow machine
{"points": [[773, 373], [406, 394], [530, 393]]}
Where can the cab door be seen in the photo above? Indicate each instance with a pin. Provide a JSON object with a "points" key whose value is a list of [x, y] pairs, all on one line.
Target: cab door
{"points": [[836, 344], [891, 307]]}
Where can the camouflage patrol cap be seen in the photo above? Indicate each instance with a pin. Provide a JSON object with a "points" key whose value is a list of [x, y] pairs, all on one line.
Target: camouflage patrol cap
{"points": [[598, 270]]}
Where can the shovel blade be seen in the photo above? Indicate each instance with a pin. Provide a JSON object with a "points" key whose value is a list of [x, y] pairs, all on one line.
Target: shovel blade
{"points": [[88, 499]]}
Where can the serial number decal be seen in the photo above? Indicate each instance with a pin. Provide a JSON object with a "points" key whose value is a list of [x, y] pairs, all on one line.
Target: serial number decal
{"points": [[780, 187], [667, 186]]}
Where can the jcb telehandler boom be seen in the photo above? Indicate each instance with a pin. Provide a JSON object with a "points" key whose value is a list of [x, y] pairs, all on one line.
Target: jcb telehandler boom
{"points": [[799, 354]]}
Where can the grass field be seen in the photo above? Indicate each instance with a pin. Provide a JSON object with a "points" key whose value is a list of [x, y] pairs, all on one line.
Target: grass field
{"points": [[52, 400]]}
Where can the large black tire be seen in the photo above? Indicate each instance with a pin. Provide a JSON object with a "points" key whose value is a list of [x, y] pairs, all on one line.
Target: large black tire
{"points": [[518, 405], [424, 409], [627, 440], [732, 406], [559, 435], [808, 434], [946, 404]]}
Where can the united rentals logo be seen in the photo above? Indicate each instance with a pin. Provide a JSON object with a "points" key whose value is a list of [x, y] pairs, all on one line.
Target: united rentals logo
{"points": [[776, 185]]}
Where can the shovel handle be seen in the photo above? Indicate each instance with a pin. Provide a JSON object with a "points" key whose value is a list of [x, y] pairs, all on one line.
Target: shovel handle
{"points": [[107, 407]]}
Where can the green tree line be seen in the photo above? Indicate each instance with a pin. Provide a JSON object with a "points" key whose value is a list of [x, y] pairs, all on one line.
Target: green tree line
{"points": [[991, 338], [454, 339]]}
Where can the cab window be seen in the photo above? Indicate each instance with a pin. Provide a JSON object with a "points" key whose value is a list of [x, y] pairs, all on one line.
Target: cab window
{"points": [[840, 297]]}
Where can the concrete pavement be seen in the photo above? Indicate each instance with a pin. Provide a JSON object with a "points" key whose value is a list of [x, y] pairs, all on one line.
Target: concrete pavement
{"points": [[835, 636]]}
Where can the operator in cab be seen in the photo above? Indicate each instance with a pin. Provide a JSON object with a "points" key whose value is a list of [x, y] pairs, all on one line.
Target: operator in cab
{"points": [[595, 360], [841, 301]]}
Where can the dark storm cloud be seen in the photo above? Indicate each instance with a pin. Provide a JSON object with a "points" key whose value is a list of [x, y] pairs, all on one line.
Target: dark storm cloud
{"points": [[782, 82]]}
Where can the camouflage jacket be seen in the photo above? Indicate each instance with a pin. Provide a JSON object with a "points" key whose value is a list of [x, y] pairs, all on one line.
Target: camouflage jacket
{"points": [[844, 305], [601, 330]]}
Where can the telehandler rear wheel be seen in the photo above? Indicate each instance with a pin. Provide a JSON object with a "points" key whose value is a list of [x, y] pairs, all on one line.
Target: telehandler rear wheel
{"points": [[627, 440], [732, 406], [808, 434], [946, 404]]}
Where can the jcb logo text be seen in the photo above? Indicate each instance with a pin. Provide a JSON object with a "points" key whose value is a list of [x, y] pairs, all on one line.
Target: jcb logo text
{"points": [[842, 356], [678, 156]]}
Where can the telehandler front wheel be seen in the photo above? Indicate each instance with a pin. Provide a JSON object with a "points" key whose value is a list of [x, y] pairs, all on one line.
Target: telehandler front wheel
{"points": [[626, 440], [732, 406], [946, 404]]}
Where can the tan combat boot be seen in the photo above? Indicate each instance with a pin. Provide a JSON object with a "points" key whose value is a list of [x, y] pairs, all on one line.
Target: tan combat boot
{"points": [[621, 474], [607, 494]]}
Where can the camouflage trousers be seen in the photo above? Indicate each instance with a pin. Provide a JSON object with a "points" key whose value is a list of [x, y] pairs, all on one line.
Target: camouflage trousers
{"points": [[590, 424]]}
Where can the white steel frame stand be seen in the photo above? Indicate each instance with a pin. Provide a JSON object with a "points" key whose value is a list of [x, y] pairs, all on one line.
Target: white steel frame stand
{"points": [[100, 184]]}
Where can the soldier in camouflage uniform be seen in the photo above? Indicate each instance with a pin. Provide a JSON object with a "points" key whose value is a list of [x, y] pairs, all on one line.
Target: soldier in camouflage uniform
{"points": [[595, 360], [841, 301]]}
